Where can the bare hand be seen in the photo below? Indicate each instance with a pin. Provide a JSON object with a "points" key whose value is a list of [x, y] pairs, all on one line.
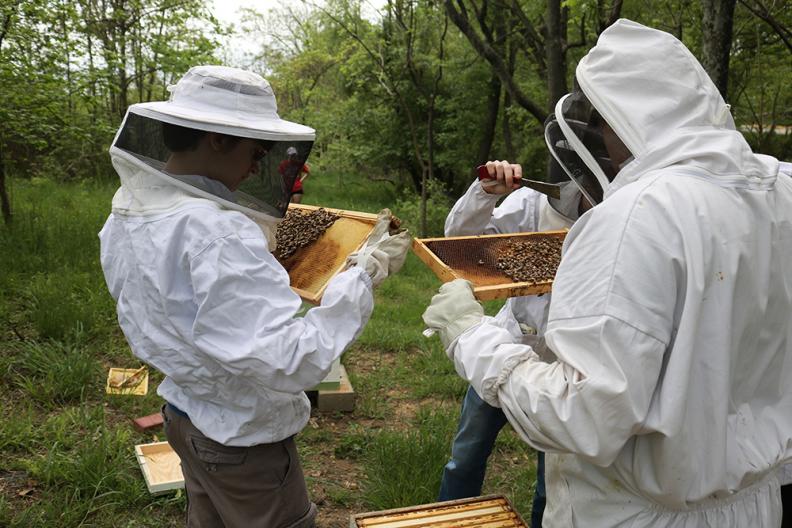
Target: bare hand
{"points": [[504, 175]]}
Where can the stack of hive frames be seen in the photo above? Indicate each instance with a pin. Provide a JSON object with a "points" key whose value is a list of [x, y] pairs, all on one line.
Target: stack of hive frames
{"points": [[491, 511], [475, 258]]}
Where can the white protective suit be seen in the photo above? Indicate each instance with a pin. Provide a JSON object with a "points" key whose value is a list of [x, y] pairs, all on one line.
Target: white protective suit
{"points": [[670, 403], [201, 298]]}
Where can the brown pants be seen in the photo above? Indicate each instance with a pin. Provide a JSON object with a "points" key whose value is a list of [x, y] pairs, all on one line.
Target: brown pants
{"points": [[239, 487]]}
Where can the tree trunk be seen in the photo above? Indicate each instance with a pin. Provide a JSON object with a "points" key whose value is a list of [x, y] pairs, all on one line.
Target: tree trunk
{"points": [[460, 18], [5, 203], [555, 36], [716, 26], [508, 142], [490, 120]]}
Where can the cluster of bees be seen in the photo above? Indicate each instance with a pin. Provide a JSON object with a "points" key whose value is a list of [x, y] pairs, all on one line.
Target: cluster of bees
{"points": [[298, 230], [532, 260]]}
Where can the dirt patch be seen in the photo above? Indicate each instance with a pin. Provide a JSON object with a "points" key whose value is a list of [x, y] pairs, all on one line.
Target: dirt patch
{"points": [[19, 490], [333, 482]]}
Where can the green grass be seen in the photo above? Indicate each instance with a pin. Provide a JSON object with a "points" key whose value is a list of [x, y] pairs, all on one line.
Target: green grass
{"points": [[53, 372], [62, 437], [404, 467]]}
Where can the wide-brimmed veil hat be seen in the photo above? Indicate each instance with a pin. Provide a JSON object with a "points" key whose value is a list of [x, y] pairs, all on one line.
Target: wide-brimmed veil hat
{"points": [[227, 101]]}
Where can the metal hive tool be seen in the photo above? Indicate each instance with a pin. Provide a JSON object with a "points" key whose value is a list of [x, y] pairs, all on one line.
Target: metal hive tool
{"points": [[475, 258]]}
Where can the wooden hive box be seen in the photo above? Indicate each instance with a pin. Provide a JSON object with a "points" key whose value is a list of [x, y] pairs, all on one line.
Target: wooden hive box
{"points": [[312, 267], [161, 467], [333, 379], [490, 511], [474, 258], [118, 375]]}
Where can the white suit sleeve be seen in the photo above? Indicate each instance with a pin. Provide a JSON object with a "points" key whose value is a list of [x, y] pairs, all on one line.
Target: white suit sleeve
{"points": [[246, 316], [475, 213], [592, 405]]}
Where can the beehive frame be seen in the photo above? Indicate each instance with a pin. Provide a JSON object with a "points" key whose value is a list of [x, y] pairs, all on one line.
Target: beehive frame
{"points": [[498, 285], [490, 511], [311, 268]]}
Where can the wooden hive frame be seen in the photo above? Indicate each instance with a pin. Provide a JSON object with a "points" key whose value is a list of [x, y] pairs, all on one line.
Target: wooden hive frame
{"points": [[500, 286], [346, 237], [489, 511]]}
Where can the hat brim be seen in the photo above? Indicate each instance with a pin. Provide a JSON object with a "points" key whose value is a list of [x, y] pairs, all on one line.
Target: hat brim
{"points": [[256, 127]]}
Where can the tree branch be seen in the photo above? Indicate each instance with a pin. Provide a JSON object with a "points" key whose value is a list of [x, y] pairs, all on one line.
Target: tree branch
{"points": [[7, 21], [495, 60], [784, 33]]}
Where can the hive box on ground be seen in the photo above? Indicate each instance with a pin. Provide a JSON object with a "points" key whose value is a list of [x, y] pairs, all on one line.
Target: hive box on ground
{"points": [[340, 399], [475, 258], [333, 379], [118, 375], [161, 467], [490, 511]]}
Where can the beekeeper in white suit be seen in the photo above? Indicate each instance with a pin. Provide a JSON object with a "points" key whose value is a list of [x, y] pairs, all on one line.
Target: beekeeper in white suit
{"points": [[201, 298], [669, 403], [478, 212]]}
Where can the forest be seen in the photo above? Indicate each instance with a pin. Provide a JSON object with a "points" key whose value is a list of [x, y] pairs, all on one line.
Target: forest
{"points": [[416, 96]]}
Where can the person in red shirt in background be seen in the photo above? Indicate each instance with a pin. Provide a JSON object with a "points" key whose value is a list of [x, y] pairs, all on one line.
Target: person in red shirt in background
{"points": [[297, 189]]}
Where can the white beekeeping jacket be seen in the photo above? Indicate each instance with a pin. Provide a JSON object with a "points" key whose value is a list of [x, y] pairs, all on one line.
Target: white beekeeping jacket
{"points": [[201, 299], [670, 403]]}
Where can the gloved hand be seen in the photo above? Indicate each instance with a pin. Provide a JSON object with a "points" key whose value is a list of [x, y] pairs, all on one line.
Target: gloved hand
{"points": [[382, 254], [453, 310]]}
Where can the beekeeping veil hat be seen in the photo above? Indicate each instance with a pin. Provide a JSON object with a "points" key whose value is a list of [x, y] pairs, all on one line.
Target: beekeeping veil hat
{"points": [[644, 87], [574, 135], [227, 101]]}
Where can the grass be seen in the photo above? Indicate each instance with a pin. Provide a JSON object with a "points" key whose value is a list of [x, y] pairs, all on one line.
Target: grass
{"points": [[54, 372], [66, 448]]}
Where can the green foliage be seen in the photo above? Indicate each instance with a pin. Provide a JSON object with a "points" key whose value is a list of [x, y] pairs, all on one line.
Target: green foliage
{"points": [[68, 71], [437, 207], [55, 226], [57, 253], [353, 444]]}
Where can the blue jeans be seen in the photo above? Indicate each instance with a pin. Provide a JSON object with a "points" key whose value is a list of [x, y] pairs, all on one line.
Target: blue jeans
{"points": [[463, 475]]}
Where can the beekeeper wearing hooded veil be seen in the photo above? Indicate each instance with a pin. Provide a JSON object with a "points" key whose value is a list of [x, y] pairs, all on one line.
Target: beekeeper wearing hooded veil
{"points": [[669, 402], [186, 253]]}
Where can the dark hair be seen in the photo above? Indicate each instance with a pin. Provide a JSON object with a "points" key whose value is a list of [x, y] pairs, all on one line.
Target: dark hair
{"points": [[178, 138]]}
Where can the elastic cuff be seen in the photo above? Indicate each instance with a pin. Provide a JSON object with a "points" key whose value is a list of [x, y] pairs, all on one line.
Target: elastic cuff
{"points": [[490, 387], [481, 193], [363, 275]]}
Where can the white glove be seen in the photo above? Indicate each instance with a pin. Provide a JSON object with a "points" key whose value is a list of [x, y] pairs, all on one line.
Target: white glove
{"points": [[452, 311], [382, 254]]}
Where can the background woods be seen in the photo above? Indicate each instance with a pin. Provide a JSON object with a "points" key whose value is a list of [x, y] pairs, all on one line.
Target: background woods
{"points": [[68, 70], [417, 95]]}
